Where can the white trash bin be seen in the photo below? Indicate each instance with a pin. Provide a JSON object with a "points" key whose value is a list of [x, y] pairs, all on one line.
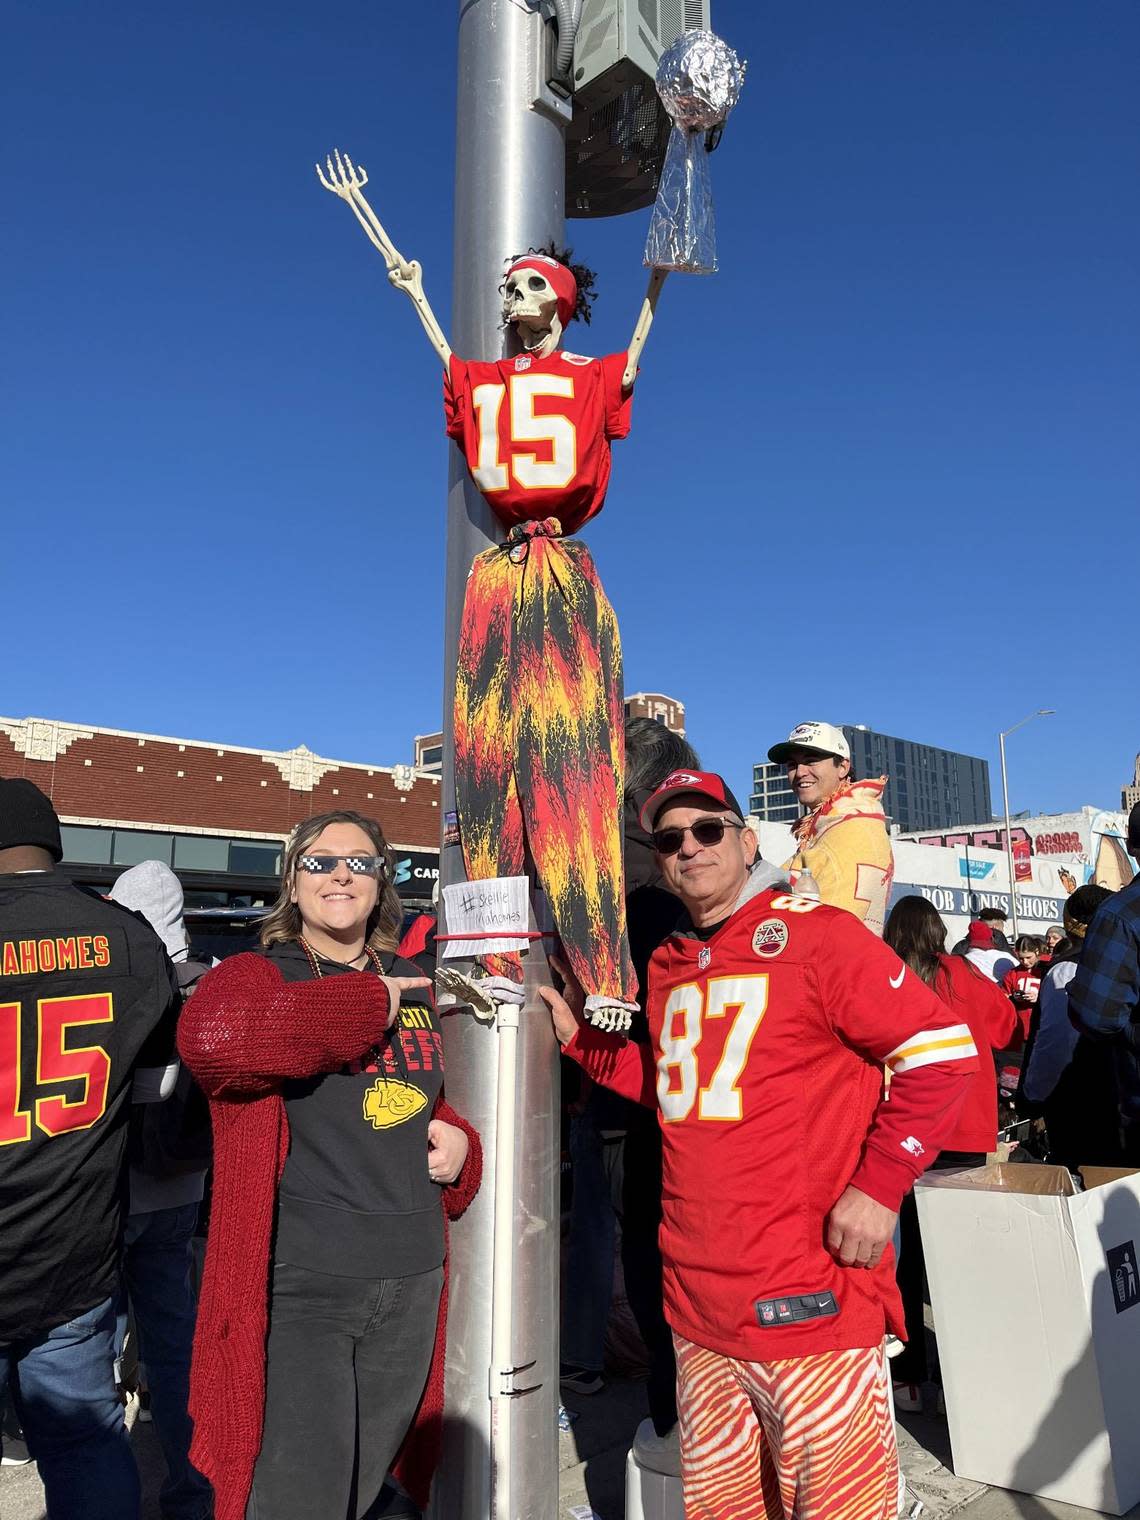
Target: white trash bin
{"points": [[651, 1495]]}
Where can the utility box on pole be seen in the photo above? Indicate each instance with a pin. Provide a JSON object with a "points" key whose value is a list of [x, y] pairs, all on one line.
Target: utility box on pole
{"points": [[615, 144]]}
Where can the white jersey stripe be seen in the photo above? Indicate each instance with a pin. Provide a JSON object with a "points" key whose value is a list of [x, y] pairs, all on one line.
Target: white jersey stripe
{"points": [[954, 1043]]}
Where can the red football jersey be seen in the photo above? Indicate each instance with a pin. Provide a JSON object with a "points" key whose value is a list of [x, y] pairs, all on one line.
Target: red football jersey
{"points": [[536, 432], [768, 1043]]}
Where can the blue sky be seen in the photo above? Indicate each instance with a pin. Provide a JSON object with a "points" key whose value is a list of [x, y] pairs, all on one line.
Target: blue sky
{"points": [[884, 468]]}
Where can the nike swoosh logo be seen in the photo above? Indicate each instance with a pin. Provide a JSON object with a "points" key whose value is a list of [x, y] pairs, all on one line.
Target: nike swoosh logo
{"points": [[897, 981]]}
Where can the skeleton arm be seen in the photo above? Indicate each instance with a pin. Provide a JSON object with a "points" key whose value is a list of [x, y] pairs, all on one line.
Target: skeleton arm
{"points": [[347, 181], [644, 323]]}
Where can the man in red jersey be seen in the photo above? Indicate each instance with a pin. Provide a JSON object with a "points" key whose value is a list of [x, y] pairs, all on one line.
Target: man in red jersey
{"points": [[770, 1024]]}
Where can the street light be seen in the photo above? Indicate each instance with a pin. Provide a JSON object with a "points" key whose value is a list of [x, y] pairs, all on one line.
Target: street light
{"points": [[1042, 712]]}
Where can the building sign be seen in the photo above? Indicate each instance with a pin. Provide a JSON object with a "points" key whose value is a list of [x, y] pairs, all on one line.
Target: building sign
{"points": [[1090, 844], [417, 872], [963, 902]]}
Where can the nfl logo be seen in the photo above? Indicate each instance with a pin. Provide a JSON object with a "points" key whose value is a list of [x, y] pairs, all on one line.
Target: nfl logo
{"points": [[703, 958], [523, 361]]}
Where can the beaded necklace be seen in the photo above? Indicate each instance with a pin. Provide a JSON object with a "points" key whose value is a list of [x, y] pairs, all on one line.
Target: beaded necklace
{"points": [[314, 958]]}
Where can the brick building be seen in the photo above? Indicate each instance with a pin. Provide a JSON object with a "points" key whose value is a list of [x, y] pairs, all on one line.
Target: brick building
{"points": [[219, 814]]}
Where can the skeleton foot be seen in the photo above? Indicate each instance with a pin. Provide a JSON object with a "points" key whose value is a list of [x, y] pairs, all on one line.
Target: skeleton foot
{"points": [[609, 1014]]}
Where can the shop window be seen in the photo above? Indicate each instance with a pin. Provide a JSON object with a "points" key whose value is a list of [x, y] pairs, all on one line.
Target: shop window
{"points": [[86, 846], [133, 846], [198, 852], [251, 857]]}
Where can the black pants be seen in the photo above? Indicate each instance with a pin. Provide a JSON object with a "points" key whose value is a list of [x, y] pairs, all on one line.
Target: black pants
{"points": [[910, 1364], [641, 1262], [346, 1364]]}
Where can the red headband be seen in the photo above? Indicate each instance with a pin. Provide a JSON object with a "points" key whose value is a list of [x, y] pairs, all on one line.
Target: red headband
{"points": [[563, 282]]}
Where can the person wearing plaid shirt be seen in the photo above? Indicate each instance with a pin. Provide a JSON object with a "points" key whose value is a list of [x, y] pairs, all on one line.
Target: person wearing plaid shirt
{"points": [[1104, 1001]]}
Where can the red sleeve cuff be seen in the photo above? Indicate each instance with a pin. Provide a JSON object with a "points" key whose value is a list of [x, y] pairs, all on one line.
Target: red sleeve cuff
{"points": [[886, 1179], [458, 1194]]}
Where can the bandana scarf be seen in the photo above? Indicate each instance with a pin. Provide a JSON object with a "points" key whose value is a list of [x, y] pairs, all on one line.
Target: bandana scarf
{"points": [[564, 284]]}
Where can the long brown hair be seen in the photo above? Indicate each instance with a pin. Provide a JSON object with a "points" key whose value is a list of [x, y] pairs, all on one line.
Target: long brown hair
{"points": [[917, 935], [283, 922]]}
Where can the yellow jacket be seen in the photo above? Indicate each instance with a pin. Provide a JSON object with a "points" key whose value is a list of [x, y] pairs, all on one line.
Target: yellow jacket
{"points": [[846, 847]]}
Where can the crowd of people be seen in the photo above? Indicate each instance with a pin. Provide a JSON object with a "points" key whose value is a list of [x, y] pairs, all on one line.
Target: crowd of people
{"points": [[288, 1104]]}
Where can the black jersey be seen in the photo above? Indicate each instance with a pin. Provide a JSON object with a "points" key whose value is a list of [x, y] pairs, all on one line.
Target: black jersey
{"points": [[87, 995]]}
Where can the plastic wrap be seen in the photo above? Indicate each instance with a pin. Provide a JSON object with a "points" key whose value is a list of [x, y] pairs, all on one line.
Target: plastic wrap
{"points": [[699, 79]]}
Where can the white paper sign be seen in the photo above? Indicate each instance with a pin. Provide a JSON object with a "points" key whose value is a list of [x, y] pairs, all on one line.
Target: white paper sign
{"points": [[493, 912]]}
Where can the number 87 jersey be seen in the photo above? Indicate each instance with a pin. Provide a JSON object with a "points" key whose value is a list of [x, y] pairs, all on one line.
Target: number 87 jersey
{"points": [[536, 432], [768, 1044]]}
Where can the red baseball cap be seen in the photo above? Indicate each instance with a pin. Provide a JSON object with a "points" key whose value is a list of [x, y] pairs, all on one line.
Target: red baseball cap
{"points": [[695, 783]]}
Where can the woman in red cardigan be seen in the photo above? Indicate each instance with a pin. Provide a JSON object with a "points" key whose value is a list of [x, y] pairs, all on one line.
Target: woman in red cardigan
{"points": [[917, 935], [318, 1358]]}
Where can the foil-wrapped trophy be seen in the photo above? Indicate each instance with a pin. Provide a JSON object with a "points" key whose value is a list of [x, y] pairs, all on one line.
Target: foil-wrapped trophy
{"points": [[699, 79]]}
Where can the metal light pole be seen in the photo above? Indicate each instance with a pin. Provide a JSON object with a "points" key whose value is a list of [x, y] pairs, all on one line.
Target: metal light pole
{"points": [[500, 1438], [1042, 712]]}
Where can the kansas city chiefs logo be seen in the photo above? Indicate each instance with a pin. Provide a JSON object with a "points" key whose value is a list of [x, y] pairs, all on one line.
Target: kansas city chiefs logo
{"points": [[681, 778], [390, 1101]]}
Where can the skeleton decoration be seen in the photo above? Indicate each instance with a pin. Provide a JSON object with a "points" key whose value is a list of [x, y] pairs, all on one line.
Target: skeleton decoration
{"points": [[539, 717], [699, 79]]}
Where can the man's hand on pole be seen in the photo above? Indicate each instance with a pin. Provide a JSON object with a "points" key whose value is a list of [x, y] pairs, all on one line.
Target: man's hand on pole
{"points": [[858, 1230], [565, 1006]]}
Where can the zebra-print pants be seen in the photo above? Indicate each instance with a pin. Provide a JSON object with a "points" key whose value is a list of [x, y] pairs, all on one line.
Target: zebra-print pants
{"points": [[810, 1438]]}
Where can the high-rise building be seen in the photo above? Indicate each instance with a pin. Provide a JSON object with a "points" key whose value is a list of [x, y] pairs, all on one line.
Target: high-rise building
{"points": [[927, 787], [1130, 795]]}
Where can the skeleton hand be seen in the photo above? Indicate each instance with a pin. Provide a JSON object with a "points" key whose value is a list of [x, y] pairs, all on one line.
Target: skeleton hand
{"points": [[343, 178]]}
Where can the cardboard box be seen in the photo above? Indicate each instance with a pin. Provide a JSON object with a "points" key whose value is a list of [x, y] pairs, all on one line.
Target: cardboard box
{"points": [[1036, 1297]]}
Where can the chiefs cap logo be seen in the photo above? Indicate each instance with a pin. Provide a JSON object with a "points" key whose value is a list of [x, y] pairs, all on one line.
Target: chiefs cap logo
{"points": [[770, 938], [681, 778]]}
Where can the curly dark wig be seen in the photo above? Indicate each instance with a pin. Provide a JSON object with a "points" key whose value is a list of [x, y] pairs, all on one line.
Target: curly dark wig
{"points": [[584, 275]]}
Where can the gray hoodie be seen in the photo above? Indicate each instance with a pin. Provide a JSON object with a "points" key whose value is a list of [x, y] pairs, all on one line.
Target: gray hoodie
{"points": [[760, 877], [152, 890]]}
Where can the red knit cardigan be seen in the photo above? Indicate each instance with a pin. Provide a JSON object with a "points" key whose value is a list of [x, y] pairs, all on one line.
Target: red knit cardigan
{"points": [[244, 1032]]}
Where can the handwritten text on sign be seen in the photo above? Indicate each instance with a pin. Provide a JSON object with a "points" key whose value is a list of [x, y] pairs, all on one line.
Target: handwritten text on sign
{"points": [[494, 913]]}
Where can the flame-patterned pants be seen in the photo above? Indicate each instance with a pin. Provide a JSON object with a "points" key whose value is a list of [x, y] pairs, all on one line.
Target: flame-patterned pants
{"points": [[540, 744], [810, 1438]]}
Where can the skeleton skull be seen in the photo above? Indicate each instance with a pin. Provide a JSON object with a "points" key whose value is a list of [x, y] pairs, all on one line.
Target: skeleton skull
{"points": [[530, 306]]}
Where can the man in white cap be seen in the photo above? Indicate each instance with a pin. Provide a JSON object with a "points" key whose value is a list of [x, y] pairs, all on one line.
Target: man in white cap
{"points": [[842, 839]]}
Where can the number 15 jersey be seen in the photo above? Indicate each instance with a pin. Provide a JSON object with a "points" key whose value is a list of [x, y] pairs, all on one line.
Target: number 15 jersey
{"points": [[536, 432]]}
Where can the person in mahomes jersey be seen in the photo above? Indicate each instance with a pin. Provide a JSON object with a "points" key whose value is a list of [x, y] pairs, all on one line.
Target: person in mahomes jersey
{"points": [[783, 1169], [88, 1009]]}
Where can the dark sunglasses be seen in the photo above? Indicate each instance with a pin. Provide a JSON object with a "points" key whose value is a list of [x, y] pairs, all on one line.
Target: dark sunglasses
{"points": [[706, 831], [325, 865]]}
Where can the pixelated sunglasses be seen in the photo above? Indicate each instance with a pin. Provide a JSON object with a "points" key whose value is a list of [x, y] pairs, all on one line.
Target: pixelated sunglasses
{"points": [[325, 865]]}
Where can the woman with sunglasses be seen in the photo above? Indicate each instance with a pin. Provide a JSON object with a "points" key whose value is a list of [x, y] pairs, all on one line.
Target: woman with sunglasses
{"points": [[319, 1352]]}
